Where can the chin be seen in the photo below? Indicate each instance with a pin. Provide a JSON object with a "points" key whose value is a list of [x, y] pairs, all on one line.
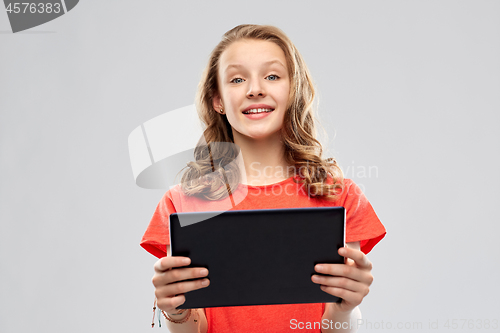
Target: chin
{"points": [[262, 136], [258, 135]]}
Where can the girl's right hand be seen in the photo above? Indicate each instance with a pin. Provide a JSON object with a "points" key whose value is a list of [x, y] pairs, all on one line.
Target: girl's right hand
{"points": [[170, 285]]}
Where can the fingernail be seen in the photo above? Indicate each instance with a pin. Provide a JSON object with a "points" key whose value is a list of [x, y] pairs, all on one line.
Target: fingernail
{"points": [[186, 261], [204, 283], [203, 271], [315, 278], [342, 251], [320, 267]]}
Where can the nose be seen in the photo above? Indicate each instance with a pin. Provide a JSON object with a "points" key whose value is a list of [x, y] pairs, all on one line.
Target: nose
{"points": [[255, 89]]}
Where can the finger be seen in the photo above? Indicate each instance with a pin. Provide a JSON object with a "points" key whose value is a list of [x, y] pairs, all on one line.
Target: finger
{"points": [[358, 256], [179, 288], [350, 297], [170, 304], [167, 263], [340, 282], [347, 271], [178, 274]]}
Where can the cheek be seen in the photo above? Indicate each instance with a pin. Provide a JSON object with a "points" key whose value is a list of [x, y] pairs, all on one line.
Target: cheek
{"points": [[231, 118], [232, 98], [285, 93]]}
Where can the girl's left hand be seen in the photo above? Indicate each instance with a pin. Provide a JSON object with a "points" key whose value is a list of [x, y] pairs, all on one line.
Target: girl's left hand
{"points": [[349, 281]]}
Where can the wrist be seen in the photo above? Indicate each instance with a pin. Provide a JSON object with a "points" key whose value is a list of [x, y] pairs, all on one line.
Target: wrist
{"points": [[179, 317], [341, 320], [333, 310], [178, 314]]}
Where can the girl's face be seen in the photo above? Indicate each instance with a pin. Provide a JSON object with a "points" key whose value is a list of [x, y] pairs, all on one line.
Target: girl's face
{"points": [[254, 86]]}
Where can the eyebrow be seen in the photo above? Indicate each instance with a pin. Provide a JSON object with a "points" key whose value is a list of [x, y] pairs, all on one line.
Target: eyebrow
{"points": [[267, 63]]}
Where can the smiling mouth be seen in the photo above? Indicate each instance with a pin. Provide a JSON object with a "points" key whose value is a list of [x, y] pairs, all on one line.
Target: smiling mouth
{"points": [[254, 111]]}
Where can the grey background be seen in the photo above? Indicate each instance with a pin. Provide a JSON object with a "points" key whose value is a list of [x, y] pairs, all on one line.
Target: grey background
{"points": [[408, 87]]}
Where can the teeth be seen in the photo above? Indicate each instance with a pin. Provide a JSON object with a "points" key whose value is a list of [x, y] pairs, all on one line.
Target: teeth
{"points": [[257, 111]]}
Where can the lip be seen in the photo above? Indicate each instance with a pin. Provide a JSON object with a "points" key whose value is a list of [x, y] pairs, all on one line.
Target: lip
{"points": [[258, 106], [256, 116]]}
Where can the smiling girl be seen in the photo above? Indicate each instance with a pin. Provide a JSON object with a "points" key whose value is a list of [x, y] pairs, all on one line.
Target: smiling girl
{"points": [[257, 94]]}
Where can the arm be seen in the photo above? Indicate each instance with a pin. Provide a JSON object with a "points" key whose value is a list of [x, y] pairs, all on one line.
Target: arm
{"points": [[351, 282], [170, 293]]}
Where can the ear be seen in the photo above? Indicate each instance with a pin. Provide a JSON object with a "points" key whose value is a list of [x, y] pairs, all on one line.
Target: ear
{"points": [[217, 103]]}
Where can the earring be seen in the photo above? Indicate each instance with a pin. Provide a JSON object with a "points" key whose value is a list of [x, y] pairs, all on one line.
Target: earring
{"points": [[221, 111]]}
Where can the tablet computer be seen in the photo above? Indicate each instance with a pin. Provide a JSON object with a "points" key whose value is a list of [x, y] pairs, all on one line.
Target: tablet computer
{"points": [[259, 257]]}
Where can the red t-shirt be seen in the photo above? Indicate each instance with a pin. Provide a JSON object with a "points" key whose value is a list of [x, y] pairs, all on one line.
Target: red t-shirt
{"points": [[362, 224]]}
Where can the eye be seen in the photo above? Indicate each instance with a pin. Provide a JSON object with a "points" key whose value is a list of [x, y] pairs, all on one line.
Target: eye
{"points": [[236, 80], [273, 77]]}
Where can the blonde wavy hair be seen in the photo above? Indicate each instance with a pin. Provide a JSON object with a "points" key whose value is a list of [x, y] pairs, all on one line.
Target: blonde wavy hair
{"points": [[207, 178]]}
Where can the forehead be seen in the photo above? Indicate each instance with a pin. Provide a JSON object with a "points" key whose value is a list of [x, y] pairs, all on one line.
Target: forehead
{"points": [[251, 53]]}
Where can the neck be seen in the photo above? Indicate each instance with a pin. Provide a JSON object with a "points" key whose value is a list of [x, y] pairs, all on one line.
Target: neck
{"points": [[263, 160]]}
